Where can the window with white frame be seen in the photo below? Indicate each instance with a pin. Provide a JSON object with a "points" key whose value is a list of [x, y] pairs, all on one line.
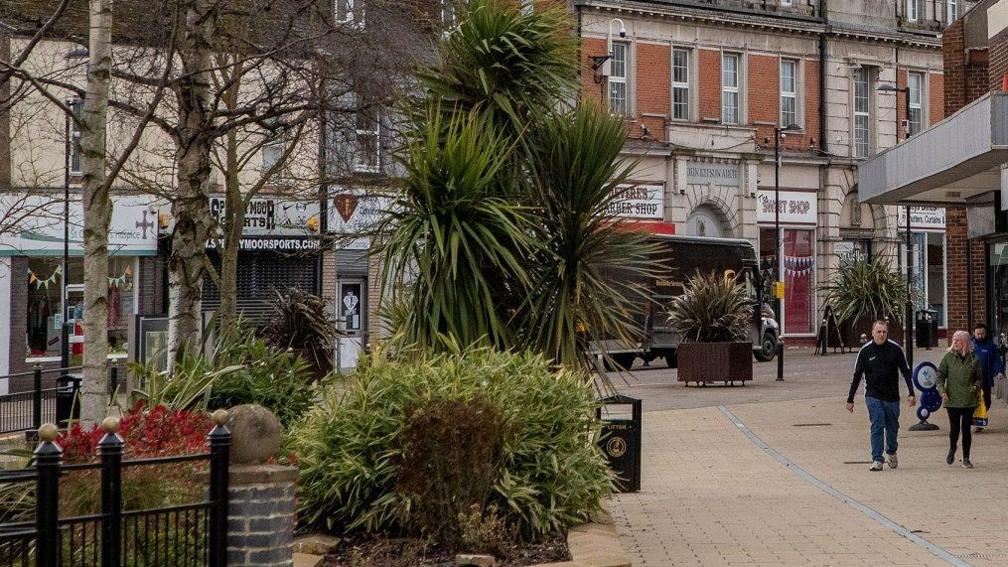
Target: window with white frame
{"points": [[367, 154], [952, 11], [862, 112], [618, 79], [680, 84], [913, 10], [915, 90], [77, 106], [730, 108], [349, 11], [788, 92]]}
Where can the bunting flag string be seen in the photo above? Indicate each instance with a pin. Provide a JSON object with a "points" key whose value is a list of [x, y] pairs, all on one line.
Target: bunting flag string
{"points": [[123, 281], [797, 266], [40, 283]]}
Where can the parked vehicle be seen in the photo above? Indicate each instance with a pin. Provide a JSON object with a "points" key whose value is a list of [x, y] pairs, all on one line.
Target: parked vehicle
{"points": [[681, 257]]}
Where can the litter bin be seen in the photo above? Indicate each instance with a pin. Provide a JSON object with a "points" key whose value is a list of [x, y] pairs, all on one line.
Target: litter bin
{"points": [[621, 439], [927, 328]]}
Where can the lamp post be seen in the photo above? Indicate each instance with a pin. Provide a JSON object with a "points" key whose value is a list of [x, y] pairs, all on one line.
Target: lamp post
{"points": [[64, 330], [888, 88], [779, 134]]}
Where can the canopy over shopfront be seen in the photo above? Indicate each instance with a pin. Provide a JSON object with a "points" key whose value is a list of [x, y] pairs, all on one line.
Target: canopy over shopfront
{"points": [[956, 162]]}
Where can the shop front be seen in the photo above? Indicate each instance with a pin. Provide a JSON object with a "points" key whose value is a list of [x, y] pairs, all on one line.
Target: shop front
{"points": [[927, 270], [798, 213], [279, 249], [32, 279]]}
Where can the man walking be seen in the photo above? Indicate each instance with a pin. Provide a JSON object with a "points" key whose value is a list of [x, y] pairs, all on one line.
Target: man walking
{"points": [[990, 362], [880, 362]]}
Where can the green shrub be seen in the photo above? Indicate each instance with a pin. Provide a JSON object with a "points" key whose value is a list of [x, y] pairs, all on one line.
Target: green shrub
{"points": [[550, 475], [268, 376], [448, 464], [711, 309]]}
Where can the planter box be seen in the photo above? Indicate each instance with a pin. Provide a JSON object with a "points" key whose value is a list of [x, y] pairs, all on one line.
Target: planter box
{"points": [[715, 362]]}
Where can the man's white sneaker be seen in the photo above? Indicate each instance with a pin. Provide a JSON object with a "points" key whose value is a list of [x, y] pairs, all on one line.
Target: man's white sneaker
{"points": [[876, 466], [893, 461]]}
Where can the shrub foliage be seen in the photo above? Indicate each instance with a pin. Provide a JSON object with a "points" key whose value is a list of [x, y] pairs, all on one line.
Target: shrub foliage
{"points": [[550, 473]]}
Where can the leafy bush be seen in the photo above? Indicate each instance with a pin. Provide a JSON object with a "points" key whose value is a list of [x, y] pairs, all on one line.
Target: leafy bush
{"points": [[550, 474], [448, 463], [187, 388], [300, 321], [711, 309], [268, 376], [866, 288]]}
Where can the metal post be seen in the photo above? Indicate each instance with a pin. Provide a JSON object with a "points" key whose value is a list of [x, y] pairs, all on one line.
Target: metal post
{"points": [[778, 272], [909, 273], [48, 457], [64, 329], [220, 443], [110, 448], [37, 397]]}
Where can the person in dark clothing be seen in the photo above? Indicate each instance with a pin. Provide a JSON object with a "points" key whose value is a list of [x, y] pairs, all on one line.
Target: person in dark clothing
{"points": [[991, 362], [880, 362]]}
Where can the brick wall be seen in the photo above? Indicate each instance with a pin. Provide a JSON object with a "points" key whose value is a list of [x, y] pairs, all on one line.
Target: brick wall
{"points": [[957, 280], [151, 283], [966, 76], [710, 84], [589, 48], [812, 125], [18, 316], [997, 52], [936, 107], [763, 91], [901, 102], [653, 88]]}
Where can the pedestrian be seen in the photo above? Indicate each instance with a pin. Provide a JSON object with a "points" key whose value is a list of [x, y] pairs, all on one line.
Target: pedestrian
{"points": [[991, 362], [880, 362], [960, 382]]}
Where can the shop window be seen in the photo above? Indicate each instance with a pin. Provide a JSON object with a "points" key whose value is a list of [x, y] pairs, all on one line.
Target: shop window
{"points": [[44, 305], [799, 280], [927, 275]]}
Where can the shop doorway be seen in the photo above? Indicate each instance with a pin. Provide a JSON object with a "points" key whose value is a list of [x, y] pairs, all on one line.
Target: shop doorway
{"points": [[351, 313], [998, 285]]}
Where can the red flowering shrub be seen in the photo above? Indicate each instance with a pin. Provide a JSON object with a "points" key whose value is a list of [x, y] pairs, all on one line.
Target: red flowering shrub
{"points": [[157, 432], [146, 433]]}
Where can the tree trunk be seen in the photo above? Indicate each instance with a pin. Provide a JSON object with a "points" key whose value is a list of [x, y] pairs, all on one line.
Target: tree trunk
{"points": [[191, 207], [234, 222], [97, 213]]}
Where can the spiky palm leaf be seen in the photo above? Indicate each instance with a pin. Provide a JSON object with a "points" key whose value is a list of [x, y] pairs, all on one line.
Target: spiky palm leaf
{"points": [[450, 238], [507, 65], [574, 301], [712, 308], [867, 288]]}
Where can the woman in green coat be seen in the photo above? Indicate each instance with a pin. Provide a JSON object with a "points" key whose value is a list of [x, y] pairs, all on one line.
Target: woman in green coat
{"points": [[959, 381]]}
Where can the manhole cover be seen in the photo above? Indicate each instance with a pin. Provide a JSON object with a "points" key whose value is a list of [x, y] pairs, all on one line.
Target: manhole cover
{"points": [[812, 424]]}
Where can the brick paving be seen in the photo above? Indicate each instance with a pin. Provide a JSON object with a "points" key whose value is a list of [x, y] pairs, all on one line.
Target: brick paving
{"points": [[711, 496]]}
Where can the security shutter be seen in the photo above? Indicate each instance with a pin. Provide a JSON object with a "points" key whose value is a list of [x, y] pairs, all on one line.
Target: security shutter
{"points": [[260, 276]]}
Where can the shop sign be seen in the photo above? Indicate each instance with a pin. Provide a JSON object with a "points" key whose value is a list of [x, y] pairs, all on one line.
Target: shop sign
{"points": [[796, 207], [638, 202], [850, 250], [927, 218], [272, 224], [702, 173], [353, 214], [39, 226]]}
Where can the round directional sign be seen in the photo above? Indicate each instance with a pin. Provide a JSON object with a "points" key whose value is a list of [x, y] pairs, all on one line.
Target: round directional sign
{"points": [[923, 413], [931, 400], [925, 377]]}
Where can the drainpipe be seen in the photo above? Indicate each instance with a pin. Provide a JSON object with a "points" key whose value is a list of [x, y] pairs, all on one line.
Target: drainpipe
{"points": [[823, 136]]}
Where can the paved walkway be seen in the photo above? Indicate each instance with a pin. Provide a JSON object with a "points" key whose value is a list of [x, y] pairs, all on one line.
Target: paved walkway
{"points": [[712, 495]]}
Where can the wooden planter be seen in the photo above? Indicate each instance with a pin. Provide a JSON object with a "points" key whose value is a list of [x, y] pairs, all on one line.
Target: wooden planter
{"points": [[715, 362]]}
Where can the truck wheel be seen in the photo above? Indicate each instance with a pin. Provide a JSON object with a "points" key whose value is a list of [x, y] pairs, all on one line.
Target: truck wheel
{"points": [[768, 347], [624, 360], [672, 359]]}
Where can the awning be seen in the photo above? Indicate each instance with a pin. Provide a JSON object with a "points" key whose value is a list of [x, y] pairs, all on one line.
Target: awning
{"points": [[650, 227], [950, 163]]}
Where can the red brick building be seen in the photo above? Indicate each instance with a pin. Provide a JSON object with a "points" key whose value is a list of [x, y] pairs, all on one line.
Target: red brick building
{"points": [[704, 88]]}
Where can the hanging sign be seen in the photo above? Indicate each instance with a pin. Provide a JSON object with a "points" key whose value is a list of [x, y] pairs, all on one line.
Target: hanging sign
{"points": [[926, 218], [796, 207], [354, 214], [638, 202]]}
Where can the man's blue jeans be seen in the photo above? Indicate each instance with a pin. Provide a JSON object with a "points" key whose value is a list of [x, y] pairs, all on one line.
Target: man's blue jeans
{"points": [[884, 418]]}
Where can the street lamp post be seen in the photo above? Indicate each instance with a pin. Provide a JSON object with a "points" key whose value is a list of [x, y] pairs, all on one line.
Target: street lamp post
{"points": [[909, 236], [779, 134]]}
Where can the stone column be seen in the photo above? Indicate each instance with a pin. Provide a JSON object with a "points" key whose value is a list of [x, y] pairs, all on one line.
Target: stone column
{"points": [[261, 496]]}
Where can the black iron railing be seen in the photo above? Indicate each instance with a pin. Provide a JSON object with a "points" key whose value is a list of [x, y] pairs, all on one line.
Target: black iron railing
{"points": [[191, 534]]}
